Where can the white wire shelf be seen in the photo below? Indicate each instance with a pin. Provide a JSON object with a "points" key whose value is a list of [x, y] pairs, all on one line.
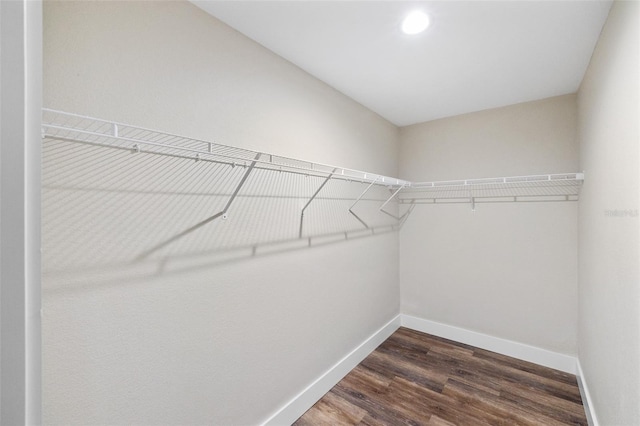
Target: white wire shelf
{"points": [[59, 125], [550, 187], [199, 197], [64, 126]]}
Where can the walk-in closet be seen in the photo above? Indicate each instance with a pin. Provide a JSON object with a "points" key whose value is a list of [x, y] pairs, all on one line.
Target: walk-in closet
{"points": [[320, 212]]}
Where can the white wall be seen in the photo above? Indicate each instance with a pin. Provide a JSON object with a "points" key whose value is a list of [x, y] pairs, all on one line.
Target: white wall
{"points": [[222, 341], [506, 270], [229, 340], [609, 234]]}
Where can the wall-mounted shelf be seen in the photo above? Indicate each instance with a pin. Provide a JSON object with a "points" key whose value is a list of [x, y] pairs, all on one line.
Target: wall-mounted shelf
{"points": [[232, 196], [77, 128], [551, 187], [169, 195]]}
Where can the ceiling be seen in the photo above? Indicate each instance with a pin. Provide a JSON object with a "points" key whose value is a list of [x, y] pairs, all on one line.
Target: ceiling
{"points": [[475, 55]]}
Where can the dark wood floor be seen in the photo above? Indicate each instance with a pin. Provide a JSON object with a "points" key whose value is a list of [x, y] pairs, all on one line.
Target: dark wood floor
{"points": [[418, 379]]}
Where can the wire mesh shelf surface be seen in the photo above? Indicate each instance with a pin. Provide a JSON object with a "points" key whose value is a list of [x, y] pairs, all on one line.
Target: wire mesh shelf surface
{"points": [[119, 194], [58, 125], [72, 127], [551, 187], [183, 199]]}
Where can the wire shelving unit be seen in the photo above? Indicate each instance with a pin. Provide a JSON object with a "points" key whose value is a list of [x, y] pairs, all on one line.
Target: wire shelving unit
{"points": [[88, 130], [201, 195], [534, 188], [73, 128]]}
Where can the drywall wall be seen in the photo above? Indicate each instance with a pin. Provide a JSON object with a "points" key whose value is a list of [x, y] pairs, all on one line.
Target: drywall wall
{"points": [[609, 234], [198, 333], [507, 270]]}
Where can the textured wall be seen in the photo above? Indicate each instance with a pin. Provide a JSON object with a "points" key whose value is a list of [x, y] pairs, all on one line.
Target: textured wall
{"points": [[201, 332], [507, 269], [609, 243]]}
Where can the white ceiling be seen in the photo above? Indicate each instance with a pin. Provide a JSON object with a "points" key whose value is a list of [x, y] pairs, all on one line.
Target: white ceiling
{"points": [[475, 55]]}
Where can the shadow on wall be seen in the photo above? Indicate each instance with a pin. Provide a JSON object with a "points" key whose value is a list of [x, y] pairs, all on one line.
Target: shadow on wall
{"points": [[113, 215]]}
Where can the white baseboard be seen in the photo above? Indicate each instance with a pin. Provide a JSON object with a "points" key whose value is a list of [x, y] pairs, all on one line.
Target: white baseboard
{"points": [[521, 351], [587, 403], [297, 406], [290, 412]]}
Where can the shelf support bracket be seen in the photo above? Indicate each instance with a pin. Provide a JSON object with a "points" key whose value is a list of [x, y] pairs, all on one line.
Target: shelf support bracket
{"points": [[358, 200], [200, 224], [387, 202], [327, 179], [405, 216], [401, 219]]}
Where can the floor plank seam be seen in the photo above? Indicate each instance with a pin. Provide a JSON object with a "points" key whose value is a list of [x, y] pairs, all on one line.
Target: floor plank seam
{"points": [[414, 378]]}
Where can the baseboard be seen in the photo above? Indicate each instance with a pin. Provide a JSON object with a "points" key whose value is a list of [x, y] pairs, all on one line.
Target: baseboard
{"points": [[290, 412], [297, 406], [521, 351], [587, 403]]}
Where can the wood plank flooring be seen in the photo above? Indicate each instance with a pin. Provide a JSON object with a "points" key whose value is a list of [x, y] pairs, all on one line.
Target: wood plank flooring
{"points": [[419, 379]]}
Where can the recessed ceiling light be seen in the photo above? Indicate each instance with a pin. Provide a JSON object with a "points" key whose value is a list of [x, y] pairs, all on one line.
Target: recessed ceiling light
{"points": [[415, 22]]}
